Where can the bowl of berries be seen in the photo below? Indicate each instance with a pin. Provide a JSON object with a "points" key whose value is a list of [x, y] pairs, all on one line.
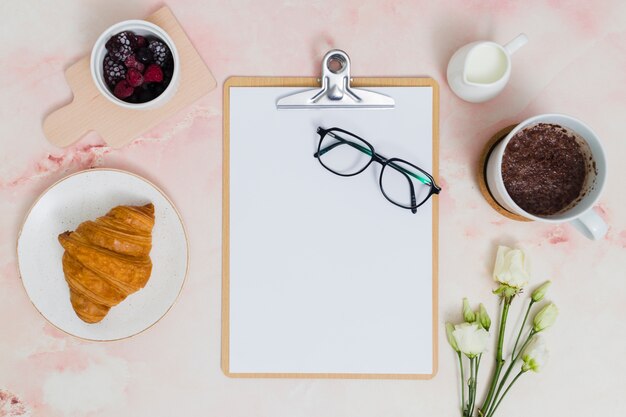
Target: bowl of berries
{"points": [[135, 65]]}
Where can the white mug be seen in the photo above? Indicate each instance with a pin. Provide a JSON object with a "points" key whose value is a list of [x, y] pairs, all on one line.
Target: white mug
{"points": [[480, 70], [581, 215]]}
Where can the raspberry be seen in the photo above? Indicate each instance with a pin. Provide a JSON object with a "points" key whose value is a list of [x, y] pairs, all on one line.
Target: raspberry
{"points": [[141, 41], [123, 90], [120, 46], [160, 52], [131, 62], [112, 71], [153, 74], [134, 77]]}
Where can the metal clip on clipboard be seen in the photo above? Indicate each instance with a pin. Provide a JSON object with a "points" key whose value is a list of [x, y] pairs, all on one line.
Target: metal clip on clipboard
{"points": [[336, 91]]}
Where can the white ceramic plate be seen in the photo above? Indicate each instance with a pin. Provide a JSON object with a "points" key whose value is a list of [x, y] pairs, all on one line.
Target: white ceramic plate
{"points": [[84, 196]]}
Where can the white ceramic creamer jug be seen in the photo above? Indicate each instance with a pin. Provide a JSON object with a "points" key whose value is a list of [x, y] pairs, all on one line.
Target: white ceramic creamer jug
{"points": [[480, 70]]}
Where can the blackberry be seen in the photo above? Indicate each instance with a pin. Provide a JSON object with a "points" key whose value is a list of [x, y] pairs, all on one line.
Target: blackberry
{"points": [[144, 55], [156, 89], [160, 52], [168, 71], [167, 76], [169, 66], [144, 95], [126, 38], [121, 46], [133, 98], [113, 71]]}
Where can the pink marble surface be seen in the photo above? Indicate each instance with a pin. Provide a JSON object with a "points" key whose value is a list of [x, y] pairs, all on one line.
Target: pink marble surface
{"points": [[575, 63]]}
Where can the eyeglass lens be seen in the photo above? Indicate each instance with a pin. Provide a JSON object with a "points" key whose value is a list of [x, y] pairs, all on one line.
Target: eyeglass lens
{"points": [[343, 153], [398, 179]]}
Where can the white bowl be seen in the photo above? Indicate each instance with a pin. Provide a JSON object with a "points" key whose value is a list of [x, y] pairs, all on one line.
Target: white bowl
{"points": [[142, 28]]}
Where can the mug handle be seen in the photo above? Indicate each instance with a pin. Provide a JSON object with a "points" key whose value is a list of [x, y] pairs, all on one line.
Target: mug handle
{"points": [[591, 225], [519, 41]]}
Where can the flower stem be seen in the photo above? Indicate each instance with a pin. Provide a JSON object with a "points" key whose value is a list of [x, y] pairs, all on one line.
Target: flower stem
{"points": [[510, 368], [499, 359], [472, 394], [476, 380], [521, 329], [505, 392], [462, 382], [474, 383]]}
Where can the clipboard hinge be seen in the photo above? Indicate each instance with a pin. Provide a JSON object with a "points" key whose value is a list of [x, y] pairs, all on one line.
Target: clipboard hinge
{"points": [[336, 91]]}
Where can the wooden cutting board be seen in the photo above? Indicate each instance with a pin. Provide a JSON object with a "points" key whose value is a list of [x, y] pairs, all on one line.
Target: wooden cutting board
{"points": [[90, 110]]}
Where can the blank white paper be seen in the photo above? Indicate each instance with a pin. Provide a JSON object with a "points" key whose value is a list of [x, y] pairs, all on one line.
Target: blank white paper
{"points": [[326, 275]]}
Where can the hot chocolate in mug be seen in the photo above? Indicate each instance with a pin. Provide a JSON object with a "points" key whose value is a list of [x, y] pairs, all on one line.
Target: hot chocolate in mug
{"points": [[579, 213]]}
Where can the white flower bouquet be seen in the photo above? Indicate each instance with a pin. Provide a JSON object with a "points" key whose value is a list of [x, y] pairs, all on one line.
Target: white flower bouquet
{"points": [[470, 338]]}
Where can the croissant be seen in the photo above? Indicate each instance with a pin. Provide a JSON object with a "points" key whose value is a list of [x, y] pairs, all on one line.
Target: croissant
{"points": [[108, 259]]}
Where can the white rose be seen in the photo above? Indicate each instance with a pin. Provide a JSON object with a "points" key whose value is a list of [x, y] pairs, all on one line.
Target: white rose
{"points": [[535, 355], [451, 340], [470, 338], [511, 268], [540, 292], [545, 317]]}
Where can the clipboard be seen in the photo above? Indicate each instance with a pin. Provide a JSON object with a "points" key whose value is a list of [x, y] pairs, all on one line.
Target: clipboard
{"points": [[256, 298]]}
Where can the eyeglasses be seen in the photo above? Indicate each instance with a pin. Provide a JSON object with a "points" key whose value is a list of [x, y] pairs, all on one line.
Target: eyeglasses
{"points": [[402, 183]]}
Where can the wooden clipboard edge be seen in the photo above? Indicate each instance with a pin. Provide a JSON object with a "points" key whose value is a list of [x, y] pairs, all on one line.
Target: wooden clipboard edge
{"points": [[313, 82]]}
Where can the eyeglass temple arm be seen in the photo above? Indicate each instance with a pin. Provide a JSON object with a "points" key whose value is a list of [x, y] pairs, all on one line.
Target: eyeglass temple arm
{"points": [[412, 188], [367, 151]]}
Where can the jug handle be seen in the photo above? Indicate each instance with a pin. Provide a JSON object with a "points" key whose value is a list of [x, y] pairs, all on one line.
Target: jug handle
{"points": [[519, 41]]}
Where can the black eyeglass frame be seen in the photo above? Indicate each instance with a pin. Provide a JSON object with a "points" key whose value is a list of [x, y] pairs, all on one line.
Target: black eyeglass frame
{"points": [[384, 161]]}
